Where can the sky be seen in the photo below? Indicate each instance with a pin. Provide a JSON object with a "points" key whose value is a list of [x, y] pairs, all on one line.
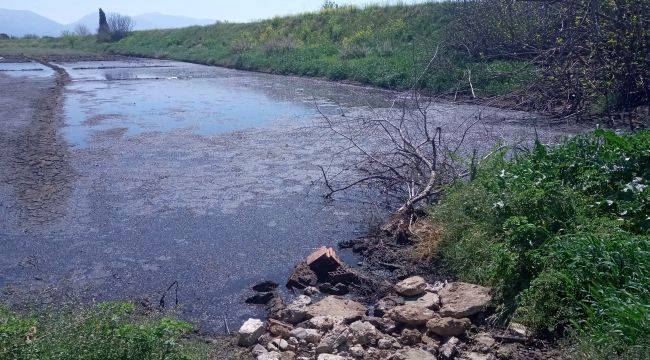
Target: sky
{"points": [[68, 11]]}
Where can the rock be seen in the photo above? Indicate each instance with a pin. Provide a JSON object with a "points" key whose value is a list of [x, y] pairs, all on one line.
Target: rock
{"points": [[302, 277], [288, 355], [410, 315], [336, 307], [386, 303], [272, 355], [338, 289], [322, 261], [428, 300], [449, 349], [275, 306], [384, 325], [385, 343], [430, 341], [410, 337], [412, 286], [363, 333], [415, 354], [330, 357], [259, 350], [311, 291], [519, 330], [448, 326], [279, 328], [323, 323], [484, 340], [280, 344], [296, 311], [461, 300], [507, 351], [250, 332], [265, 286], [333, 339], [259, 298], [357, 351], [311, 336], [375, 354], [476, 356], [265, 339]]}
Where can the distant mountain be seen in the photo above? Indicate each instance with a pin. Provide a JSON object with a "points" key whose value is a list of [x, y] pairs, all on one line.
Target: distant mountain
{"points": [[162, 21], [145, 21], [22, 22]]}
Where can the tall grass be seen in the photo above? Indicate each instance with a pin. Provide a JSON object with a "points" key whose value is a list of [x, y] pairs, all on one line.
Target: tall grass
{"points": [[113, 330], [563, 236], [385, 46]]}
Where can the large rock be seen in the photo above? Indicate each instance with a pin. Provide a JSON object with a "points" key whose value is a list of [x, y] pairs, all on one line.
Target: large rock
{"points": [[302, 277], [296, 311], [448, 326], [250, 331], [311, 336], [415, 354], [322, 261], [412, 286], [410, 315], [461, 300], [323, 323], [336, 307], [333, 339], [428, 300], [279, 328], [363, 333]]}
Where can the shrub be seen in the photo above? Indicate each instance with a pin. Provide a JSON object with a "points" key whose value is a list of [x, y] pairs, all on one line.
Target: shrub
{"points": [[107, 331], [563, 236]]}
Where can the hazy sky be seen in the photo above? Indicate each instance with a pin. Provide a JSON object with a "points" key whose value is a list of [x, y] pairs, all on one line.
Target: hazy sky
{"points": [[67, 11]]}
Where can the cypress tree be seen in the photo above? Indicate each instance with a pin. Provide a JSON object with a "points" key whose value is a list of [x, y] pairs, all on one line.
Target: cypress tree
{"points": [[103, 32]]}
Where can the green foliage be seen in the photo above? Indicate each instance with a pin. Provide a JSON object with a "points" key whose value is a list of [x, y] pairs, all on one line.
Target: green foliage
{"points": [[385, 46], [562, 235], [593, 53], [107, 331]]}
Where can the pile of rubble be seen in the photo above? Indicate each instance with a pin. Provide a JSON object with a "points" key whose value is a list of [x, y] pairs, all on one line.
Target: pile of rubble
{"points": [[415, 320]]}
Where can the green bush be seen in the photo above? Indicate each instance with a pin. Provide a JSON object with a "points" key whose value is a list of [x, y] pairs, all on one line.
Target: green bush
{"points": [[562, 235], [107, 331]]}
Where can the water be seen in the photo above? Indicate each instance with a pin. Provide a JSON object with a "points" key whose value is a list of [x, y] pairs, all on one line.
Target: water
{"points": [[169, 172]]}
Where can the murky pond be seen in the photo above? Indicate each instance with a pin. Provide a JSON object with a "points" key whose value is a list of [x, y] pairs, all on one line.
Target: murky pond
{"points": [[171, 173]]}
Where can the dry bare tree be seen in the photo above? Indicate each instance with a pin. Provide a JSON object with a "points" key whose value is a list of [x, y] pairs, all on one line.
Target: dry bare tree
{"points": [[82, 30], [120, 26], [403, 151]]}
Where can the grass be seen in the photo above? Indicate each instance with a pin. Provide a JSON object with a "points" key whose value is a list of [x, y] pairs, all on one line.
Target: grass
{"points": [[563, 236], [113, 330], [385, 46]]}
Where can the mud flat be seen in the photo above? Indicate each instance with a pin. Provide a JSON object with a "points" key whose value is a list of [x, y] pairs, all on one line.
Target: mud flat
{"points": [[140, 178]]}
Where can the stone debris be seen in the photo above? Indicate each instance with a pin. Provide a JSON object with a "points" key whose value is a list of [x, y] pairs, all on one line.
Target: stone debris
{"points": [[415, 354], [449, 349], [250, 332], [412, 321], [428, 300], [412, 286], [460, 300], [337, 307], [410, 315], [448, 326]]}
